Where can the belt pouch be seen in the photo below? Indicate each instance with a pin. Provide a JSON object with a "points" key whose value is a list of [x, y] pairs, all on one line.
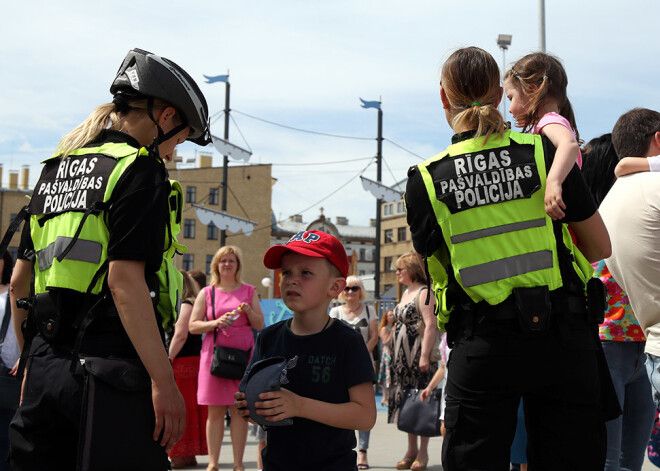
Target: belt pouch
{"points": [[118, 418], [596, 300], [47, 315], [534, 308]]}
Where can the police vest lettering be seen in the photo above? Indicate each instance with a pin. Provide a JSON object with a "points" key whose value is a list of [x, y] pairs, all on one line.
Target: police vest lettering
{"points": [[72, 184], [490, 176]]}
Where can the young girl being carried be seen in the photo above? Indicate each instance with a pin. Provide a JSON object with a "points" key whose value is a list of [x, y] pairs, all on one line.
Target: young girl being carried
{"points": [[536, 88]]}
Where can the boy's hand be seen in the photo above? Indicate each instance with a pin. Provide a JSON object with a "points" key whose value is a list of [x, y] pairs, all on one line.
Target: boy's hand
{"points": [[278, 405], [241, 406], [553, 202]]}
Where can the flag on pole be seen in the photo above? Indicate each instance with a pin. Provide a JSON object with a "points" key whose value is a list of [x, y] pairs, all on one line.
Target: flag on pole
{"points": [[216, 78], [370, 104]]}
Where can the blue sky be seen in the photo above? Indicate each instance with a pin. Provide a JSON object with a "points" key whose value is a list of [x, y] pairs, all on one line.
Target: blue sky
{"points": [[305, 64]]}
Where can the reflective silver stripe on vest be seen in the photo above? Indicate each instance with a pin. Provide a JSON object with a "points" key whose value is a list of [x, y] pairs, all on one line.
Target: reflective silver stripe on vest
{"points": [[491, 231], [82, 251], [506, 268]]}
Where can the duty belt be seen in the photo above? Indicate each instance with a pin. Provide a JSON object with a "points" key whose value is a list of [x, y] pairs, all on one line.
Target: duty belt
{"points": [[562, 303]]}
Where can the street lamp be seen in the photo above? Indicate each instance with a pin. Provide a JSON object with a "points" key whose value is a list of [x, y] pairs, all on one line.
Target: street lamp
{"points": [[503, 41]]}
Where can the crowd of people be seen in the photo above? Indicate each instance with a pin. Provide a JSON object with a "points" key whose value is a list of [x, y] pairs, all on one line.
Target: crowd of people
{"points": [[530, 295]]}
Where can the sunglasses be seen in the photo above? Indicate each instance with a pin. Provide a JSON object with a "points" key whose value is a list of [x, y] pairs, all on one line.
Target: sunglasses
{"points": [[352, 288]]}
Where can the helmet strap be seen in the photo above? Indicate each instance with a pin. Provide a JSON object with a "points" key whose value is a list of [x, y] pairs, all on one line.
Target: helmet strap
{"points": [[162, 137]]}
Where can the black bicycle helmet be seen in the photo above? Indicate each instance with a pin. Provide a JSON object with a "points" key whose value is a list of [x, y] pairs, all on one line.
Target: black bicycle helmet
{"points": [[147, 75]]}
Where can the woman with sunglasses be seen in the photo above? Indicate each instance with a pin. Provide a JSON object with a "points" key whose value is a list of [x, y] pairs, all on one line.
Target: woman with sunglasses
{"points": [[364, 319]]}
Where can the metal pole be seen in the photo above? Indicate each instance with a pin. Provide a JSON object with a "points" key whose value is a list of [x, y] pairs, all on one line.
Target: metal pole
{"points": [[379, 168], [225, 163], [542, 25], [503, 72]]}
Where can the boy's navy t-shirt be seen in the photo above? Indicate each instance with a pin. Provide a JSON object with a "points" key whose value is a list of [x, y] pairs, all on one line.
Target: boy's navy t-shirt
{"points": [[328, 364]]}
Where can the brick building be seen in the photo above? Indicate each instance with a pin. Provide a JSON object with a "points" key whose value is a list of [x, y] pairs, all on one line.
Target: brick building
{"points": [[248, 197], [394, 241]]}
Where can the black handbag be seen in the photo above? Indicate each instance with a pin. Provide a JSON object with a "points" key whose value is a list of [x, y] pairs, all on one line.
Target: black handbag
{"points": [[417, 417], [10, 386], [228, 363]]}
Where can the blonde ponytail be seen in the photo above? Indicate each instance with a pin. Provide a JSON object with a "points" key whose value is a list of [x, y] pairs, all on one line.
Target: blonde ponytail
{"points": [[484, 118], [103, 117]]}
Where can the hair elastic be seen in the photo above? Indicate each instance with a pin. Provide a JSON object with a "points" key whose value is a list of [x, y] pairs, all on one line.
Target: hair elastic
{"points": [[545, 77], [476, 103], [121, 104]]}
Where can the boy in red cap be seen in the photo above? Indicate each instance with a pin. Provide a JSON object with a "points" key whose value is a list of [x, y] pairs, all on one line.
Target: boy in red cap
{"points": [[328, 382]]}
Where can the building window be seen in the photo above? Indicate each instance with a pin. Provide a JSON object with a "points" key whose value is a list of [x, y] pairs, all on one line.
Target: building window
{"points": [[188, 261], [363, 255], [373, 255], [214, 196], [212, 232], [191, 194], [399, 207], [209, 259], [401, 234], [389, 236], [387, 264], [189, 229]]}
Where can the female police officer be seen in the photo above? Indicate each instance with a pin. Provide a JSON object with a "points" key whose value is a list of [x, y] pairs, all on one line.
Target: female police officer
{"points": [[509, 284], [99, 391]]}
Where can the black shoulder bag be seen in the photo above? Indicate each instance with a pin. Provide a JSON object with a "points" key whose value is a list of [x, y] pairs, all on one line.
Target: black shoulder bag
{"points": [[417, 417], [228, 363]]}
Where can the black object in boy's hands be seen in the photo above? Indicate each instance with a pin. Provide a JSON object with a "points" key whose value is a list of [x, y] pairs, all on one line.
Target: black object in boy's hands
{"points": [[265, 376]]}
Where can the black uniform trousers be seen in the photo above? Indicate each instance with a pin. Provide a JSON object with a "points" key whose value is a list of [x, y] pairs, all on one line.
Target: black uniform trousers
{"points": [[54, 425], [493, 364]]}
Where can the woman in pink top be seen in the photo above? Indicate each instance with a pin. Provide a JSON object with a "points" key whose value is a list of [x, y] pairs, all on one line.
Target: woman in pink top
{"points": [[236, 332], [536, 87]]}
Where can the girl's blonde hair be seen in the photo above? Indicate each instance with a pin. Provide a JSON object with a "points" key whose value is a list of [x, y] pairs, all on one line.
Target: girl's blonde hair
{"points": [[539, 76], [353, 281], [105, 116], [226, 250], [189, 287], [470, 79]]}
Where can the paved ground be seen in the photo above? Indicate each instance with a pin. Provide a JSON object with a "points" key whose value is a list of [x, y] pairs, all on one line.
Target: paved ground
{"points": [[387, 446]]}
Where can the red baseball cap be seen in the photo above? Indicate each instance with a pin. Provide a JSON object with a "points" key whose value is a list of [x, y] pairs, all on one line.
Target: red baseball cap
{"points": [[312, 244]]}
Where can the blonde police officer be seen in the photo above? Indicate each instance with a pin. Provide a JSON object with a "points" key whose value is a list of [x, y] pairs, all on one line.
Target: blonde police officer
{"points": [[99, 391], [509, 283]]}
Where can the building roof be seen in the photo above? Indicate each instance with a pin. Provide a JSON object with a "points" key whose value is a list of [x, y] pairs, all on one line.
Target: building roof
{"points": [[291, 226]]}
